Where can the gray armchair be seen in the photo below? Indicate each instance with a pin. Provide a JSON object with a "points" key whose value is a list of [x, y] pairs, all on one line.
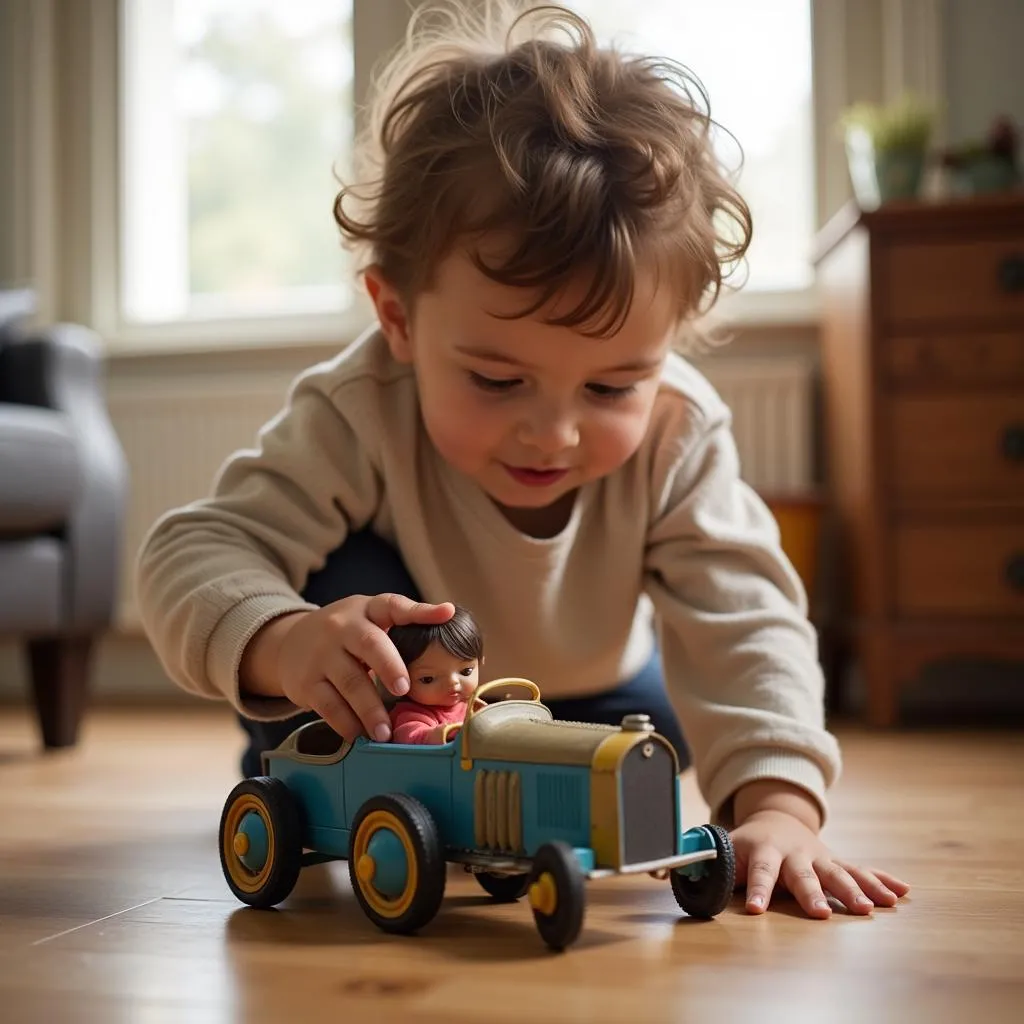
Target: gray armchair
{"points": [[63, 490]]}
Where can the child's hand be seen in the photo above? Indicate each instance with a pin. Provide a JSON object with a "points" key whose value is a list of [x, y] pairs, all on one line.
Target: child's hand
{"points": [[773, 845], [322, 660]]}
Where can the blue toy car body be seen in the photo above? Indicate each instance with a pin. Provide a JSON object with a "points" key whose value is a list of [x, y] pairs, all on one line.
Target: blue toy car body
{"points": [[528, 804]]}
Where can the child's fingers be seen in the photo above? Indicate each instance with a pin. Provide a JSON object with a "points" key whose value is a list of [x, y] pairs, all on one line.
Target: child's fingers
{"points": [[881, 888], [369, 644], [896, 885], [329, 705], [387, 610], [762, 874], [802, 881], [844, 886], [356, 689]]}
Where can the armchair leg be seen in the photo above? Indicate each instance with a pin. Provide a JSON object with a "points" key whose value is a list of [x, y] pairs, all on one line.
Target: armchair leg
{"points": [[59, 668]]}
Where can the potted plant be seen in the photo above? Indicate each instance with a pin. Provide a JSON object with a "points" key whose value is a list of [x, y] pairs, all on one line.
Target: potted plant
{"points": [[988, 165], [886, 147]]}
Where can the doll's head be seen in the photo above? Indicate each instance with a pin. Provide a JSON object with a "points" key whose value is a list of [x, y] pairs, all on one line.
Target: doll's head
{"points": [[443, 660]]}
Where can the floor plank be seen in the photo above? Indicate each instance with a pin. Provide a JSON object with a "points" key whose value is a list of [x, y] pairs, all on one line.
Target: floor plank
{"points": [[113, 907]]}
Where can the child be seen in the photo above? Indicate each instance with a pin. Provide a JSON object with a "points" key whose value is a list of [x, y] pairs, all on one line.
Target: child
{"points": [[443, 663], [540, 220]]}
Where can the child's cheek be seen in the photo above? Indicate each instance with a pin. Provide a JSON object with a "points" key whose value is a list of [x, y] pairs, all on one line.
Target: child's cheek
{"points": [[619, 439]]}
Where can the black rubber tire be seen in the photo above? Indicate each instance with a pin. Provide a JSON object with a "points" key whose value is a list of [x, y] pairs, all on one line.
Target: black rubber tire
{"points": [[504, 888], [281, 809], [428, 852], [708, 896], [561, 928]]}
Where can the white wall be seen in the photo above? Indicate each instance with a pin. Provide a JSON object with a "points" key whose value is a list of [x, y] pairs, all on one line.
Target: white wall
{"points": [[984, 65]]}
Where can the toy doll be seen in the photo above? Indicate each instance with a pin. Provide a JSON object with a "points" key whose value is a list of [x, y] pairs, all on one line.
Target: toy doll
{"points": [[444, 671]]}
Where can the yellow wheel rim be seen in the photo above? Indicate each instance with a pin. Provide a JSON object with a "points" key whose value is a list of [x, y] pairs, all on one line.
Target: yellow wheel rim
{"points": [[379, 903], [246, 880], [544, 894]]}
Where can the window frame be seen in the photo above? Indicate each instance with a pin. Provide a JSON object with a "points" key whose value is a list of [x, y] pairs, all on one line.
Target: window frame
{"points": [[66, 188]]}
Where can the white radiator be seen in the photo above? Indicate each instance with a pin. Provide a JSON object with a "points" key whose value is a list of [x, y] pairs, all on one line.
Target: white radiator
{"points": [[772, 401], [177, 429]]}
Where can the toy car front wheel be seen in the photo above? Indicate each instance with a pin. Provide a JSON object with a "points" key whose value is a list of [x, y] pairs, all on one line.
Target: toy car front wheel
{"points": [[261, 842], [504, 888], [396, 863], [708, 893], [556, 891]]}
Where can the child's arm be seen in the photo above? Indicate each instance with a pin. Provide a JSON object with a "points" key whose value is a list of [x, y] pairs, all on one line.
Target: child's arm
{"points": [[741, 662], [740, 654], [216, 574]]}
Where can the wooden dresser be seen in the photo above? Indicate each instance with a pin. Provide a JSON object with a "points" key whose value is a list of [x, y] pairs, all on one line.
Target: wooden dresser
{"points": [[923, 393]]}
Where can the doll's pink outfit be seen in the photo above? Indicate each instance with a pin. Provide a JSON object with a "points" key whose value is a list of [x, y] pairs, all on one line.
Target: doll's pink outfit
{"points": [[411, 721]]}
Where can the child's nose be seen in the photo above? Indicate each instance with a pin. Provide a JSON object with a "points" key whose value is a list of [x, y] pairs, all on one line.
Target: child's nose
{"points": [[550, 431]]}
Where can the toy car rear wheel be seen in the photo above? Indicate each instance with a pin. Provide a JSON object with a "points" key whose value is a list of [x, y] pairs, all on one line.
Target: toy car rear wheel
{"points": [[261, 841], [556, 891], [504, 888], [396, 863], [709, 894]]}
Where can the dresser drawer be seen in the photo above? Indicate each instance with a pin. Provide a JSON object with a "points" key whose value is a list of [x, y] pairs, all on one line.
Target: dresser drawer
{"points": [[957, 446], [941, 281], [969, 569], [954, 360]]}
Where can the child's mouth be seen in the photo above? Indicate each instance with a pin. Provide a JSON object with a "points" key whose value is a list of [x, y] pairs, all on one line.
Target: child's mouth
{"points": [[536, 477]]}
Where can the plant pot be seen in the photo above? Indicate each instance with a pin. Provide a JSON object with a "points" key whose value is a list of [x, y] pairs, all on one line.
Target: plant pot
{"points": [[984, 174], [879, 176]]}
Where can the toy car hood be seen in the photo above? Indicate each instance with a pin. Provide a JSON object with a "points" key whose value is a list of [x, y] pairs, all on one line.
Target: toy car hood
{"points": [[525, 731]]}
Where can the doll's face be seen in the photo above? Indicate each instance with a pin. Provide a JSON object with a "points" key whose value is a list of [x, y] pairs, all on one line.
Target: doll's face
{"points": [[442, 680]]}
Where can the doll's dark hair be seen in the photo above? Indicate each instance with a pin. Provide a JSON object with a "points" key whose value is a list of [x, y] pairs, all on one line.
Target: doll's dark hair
{"points": [[459, 636]]}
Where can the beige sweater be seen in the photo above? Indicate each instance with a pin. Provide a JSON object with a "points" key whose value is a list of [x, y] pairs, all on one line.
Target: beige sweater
{"points": [[673, 537]]}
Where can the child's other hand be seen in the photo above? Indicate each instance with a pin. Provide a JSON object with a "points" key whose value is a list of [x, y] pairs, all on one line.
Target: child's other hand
{"points": [[773, 846], [322, 660]]}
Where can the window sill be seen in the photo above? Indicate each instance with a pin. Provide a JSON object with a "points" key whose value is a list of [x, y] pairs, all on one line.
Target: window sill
{"points": [[328, 331], [333, 332], [767, 309]]}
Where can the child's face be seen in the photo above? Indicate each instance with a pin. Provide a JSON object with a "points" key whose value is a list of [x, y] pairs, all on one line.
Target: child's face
{"points": [[527, 410], [442, 680]]}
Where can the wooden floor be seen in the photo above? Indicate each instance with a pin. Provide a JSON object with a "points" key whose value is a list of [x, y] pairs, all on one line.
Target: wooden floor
{"points": [[113, 907]]}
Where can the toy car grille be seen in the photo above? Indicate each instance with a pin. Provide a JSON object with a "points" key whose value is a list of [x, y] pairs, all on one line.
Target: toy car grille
{"points": [[498, 811]]}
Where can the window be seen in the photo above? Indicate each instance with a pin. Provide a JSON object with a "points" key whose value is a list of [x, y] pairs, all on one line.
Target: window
{"points": [[754, 60], [235, 115]]}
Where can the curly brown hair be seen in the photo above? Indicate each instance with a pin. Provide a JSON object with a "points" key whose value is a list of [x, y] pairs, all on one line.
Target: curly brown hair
{"points": [[585, 163]]}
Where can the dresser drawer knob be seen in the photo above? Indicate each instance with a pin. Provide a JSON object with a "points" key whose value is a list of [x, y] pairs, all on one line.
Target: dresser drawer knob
{"points": [[1013, 442], [1011, 273], [1015, 572]]}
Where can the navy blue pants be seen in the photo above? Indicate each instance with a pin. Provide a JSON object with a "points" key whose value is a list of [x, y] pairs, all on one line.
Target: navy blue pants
{"points": [[366, 564]]}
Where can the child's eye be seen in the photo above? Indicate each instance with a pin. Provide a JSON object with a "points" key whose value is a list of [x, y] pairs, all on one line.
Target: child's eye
{"points": [[493, 385], [468, 671], [610, 392], [426, 679]]}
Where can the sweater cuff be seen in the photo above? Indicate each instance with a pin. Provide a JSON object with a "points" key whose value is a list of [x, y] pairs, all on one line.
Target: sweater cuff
{"points": [[755, 764], [227, 643]]}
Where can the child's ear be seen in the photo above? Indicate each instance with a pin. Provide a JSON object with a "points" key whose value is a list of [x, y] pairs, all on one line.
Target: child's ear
{"points": [[394, 323]]}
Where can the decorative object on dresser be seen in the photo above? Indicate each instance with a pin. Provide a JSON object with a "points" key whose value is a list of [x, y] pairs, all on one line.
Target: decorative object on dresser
{"points": [[923, 390]]}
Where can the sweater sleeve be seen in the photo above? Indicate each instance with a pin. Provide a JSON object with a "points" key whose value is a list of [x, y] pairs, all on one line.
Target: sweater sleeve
{"points": [[740, 654], [209, 575]]}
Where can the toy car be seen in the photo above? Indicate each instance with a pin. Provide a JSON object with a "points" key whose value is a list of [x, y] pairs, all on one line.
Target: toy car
{"points": [[531, 806]]}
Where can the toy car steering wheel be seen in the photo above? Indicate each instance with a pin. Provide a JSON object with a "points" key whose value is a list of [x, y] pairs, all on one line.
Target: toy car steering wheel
{"points": [[494, 684], [451, 727]]}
